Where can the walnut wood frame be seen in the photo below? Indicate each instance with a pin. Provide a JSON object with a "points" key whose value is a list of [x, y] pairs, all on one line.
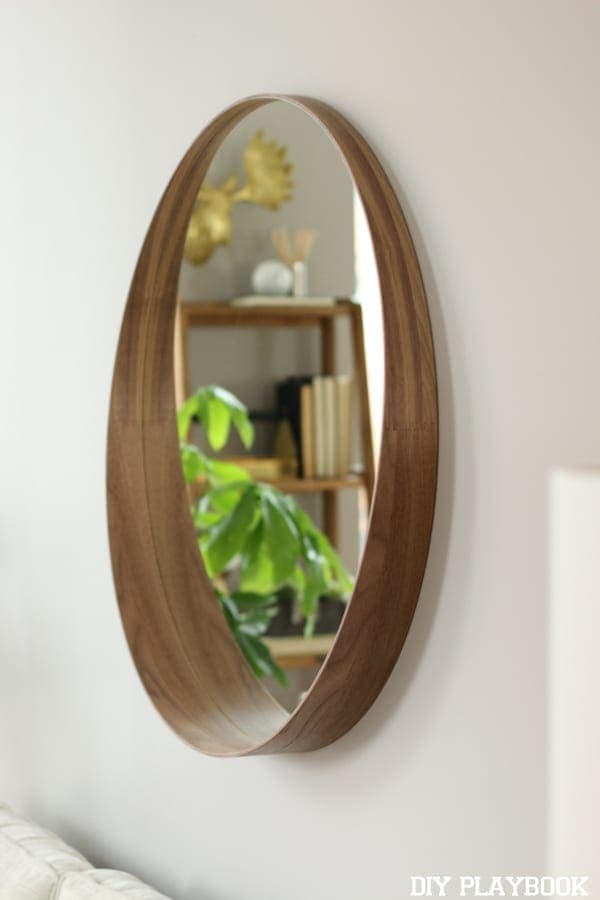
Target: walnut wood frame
{"points": [[184, 652]]}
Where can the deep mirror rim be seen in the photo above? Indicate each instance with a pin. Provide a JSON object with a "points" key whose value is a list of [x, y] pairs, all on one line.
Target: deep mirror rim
{"points": [[362, 655]]}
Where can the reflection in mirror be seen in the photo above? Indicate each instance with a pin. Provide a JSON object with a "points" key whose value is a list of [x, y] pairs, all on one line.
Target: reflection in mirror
{"points": [[279, 374]]}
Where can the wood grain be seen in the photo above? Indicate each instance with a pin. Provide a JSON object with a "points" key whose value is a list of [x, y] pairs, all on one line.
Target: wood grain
{"points": [[181, 645], [360, 366]]}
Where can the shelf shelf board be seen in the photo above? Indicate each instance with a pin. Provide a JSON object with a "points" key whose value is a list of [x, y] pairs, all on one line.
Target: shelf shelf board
{"points": [[314, 485], [299, 652], [200, 312]]}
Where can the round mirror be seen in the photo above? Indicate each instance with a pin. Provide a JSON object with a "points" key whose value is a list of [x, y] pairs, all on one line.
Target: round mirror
{"points": [[279, 368], [273, 440]]}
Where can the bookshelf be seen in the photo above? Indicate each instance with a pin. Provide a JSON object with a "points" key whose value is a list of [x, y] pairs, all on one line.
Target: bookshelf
{"points": [[206, 314]]}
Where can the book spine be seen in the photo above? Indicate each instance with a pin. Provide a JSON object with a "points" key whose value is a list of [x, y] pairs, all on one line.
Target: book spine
{"points": [[307, 431], [343, 387], [318, 426], [329, 426]]}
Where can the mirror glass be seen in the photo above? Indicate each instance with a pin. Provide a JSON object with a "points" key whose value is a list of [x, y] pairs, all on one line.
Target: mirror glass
{"points": [[279, 377]]}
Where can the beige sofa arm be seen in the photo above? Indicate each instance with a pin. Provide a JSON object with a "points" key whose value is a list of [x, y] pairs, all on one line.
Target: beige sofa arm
{"points": [[35, 864], [32, 859]]}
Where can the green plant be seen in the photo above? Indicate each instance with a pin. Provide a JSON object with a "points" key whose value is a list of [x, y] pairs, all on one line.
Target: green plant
{"points": [[254, 539]]}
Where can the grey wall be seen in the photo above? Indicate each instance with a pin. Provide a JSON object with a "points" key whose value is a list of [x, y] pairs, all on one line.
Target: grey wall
{"points": [[486, 118]]}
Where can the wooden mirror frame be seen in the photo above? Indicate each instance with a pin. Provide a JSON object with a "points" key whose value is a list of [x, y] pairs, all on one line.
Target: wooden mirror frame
{"points": [[185, 654]]}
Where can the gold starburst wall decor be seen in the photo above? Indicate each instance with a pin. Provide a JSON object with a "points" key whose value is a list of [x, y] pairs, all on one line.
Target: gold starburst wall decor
{"points": [[268, 183]]}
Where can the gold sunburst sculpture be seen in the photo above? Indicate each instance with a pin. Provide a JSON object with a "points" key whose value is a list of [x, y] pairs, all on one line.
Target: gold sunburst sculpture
{"points": [[268, 183]]}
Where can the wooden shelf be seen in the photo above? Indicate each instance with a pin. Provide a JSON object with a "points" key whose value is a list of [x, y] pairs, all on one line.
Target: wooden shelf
{"points": [[297, 652], [314, 485], [207, 313], [198, 312]]}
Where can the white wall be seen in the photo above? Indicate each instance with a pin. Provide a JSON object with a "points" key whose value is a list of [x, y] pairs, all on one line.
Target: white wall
{"points": [[486, 116], [574, 797]]}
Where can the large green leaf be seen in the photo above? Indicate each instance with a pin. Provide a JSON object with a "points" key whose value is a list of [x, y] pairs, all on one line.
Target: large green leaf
{"points": [[223, 498], [223, 472], [316, 584], [317, 550], [256, 566], [341, 576], [248, 620], [243, 425], [218, 502], [217, 423], [205, 518], [238, 413], [246, 601], [218, 472], [281, 538], [186, 413], [194, 463], [227, 538], [255, 622], [215, 408], [259, 656]]}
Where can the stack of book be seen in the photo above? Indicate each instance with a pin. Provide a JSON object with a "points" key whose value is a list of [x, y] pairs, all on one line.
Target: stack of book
{"points": [[319, 410]]}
